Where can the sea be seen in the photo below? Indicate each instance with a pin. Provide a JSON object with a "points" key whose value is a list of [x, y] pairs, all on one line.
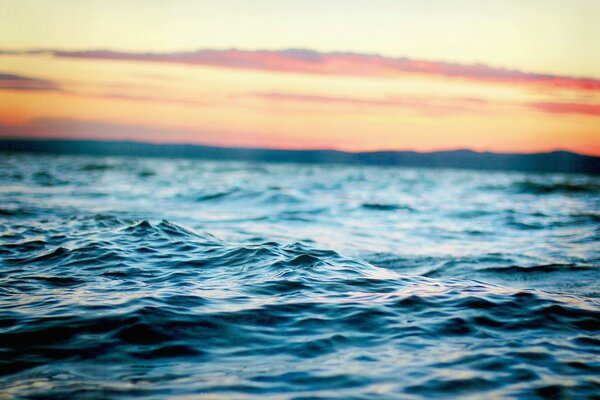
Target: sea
{"points": [[156, 278]]}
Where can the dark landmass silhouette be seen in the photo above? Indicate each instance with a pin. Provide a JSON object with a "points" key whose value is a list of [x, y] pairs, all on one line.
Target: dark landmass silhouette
{"points": [[556, 161]]}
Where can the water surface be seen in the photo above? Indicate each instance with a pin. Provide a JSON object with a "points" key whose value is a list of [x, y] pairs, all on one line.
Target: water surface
{"points": [[132, 277]]}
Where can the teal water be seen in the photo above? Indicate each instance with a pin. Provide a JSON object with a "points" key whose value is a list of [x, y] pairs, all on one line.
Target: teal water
{"points": [[130, 277]]}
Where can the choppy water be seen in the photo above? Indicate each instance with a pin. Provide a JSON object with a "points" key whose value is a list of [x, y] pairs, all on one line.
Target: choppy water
{"points": [[181, 278]]}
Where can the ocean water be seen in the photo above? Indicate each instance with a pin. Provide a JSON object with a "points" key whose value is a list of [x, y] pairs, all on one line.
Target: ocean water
{"points": [[156, 278]]}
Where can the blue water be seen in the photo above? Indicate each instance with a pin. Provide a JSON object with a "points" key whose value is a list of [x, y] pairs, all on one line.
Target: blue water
{"points": [[146, 278]]}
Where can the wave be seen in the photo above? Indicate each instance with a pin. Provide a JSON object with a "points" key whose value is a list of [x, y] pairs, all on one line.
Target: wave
{"points": [[162, 297], [548, 268], [99, 167], [566, 187], [249, 197], [386, 207], [291, 281], [14, 212], [48, 179]]}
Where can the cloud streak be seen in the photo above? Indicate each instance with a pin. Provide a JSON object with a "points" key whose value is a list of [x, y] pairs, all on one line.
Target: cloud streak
{"points": [[335, 63], [568, 108], [436, 105], [425, 105], [19, 82]]}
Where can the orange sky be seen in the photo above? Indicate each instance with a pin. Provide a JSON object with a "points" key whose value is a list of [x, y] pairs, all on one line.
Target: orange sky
{"points": [[315, 97]]}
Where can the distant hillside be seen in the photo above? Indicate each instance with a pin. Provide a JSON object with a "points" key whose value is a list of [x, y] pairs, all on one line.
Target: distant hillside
{"points": [[558, 161]]}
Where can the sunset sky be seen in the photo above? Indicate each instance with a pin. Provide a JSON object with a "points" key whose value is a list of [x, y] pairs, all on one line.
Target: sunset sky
{"points": [[506, 76]]}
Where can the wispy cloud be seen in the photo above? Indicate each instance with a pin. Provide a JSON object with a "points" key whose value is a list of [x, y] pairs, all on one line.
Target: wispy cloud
{"points": [[69, 128], [436, 105], [137, 98], [335, 63], [425, 105], [567, 108], [19, 82]]}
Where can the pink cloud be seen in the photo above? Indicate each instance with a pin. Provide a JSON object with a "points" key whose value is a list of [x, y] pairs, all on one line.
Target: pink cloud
{"points": [[336, 63], [567, 108]]}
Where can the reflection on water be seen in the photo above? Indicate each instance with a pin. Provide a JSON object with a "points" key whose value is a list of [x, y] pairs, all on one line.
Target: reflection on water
{"points": [[280, 280]]}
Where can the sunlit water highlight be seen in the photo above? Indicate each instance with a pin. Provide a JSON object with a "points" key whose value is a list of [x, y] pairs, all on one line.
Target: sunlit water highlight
{"points": [[128, 277]]}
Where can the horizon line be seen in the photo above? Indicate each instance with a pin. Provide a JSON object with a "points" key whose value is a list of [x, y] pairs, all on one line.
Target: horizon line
{"points": [[383, 150]]}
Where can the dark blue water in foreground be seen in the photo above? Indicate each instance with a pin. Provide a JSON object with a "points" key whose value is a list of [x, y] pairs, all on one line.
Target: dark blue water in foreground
{"points": [[193, 279]]}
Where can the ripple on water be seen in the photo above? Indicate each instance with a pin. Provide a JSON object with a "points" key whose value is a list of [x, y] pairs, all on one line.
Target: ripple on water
{"points": [[108, 297]]}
